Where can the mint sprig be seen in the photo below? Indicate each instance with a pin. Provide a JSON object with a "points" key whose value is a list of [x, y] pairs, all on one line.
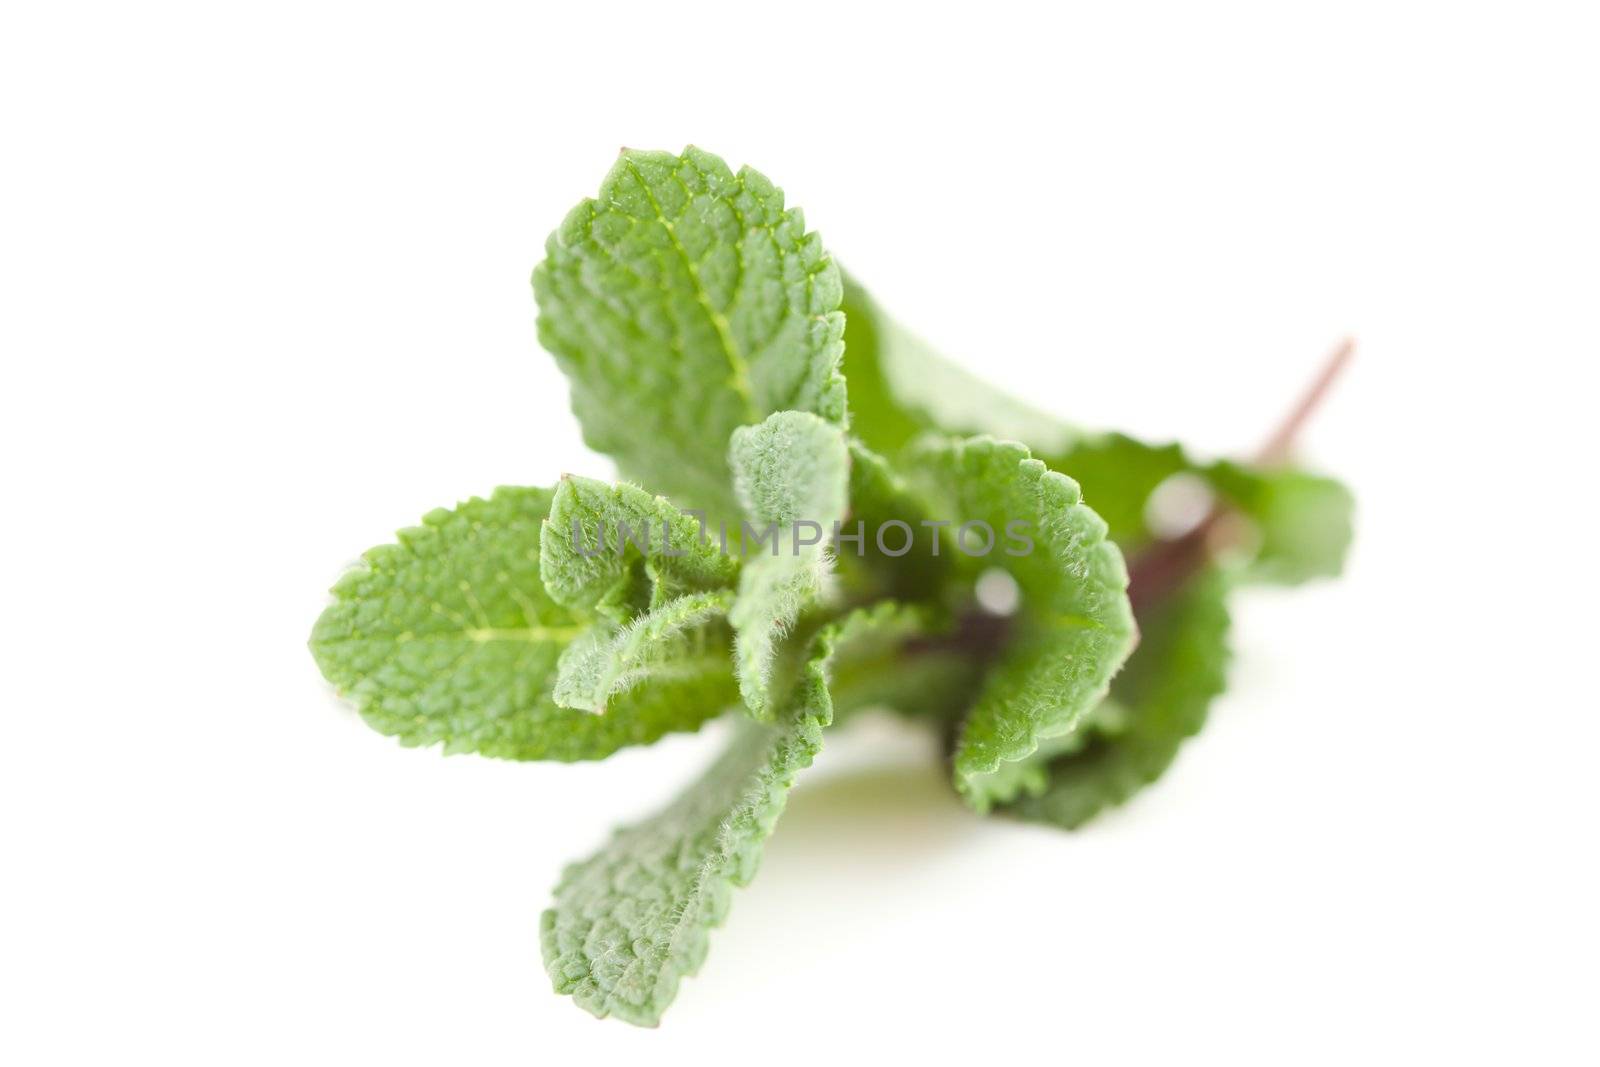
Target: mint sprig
{"points": [[791, 553]]}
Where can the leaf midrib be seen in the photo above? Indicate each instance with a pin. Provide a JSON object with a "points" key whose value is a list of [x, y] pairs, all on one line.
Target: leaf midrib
{"points": [[737, 364]]}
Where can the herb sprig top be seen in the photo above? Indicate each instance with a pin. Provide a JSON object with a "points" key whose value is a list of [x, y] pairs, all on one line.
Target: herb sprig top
{"points": [[710, 341]]}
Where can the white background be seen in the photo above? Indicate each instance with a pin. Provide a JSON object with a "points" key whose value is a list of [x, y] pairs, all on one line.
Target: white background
{"points": [[264, 300]]}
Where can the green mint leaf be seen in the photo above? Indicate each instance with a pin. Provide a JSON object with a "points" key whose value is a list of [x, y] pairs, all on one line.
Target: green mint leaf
{"points": [[1302, 522], [1156, 703], [1030, 777], [592, 559], [630, 922], [792, 477], [900, 387], [1305, 522], [877, 413], [673, 642], [792, 467], [1074, 626], [448, 637], [683, 302], [896, 554], [1117, 475], [773, 591]]}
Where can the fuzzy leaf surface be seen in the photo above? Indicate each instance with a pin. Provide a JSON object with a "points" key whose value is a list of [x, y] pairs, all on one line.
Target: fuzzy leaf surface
{"points": [[632, 921], [1156, 703], [449, 638], [677, 641], [791, 470], [683, 302], [1074, 626], [592, 559]]}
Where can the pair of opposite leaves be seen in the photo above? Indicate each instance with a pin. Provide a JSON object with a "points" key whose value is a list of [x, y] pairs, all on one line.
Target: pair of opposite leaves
{"points": [[701, 329]]}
